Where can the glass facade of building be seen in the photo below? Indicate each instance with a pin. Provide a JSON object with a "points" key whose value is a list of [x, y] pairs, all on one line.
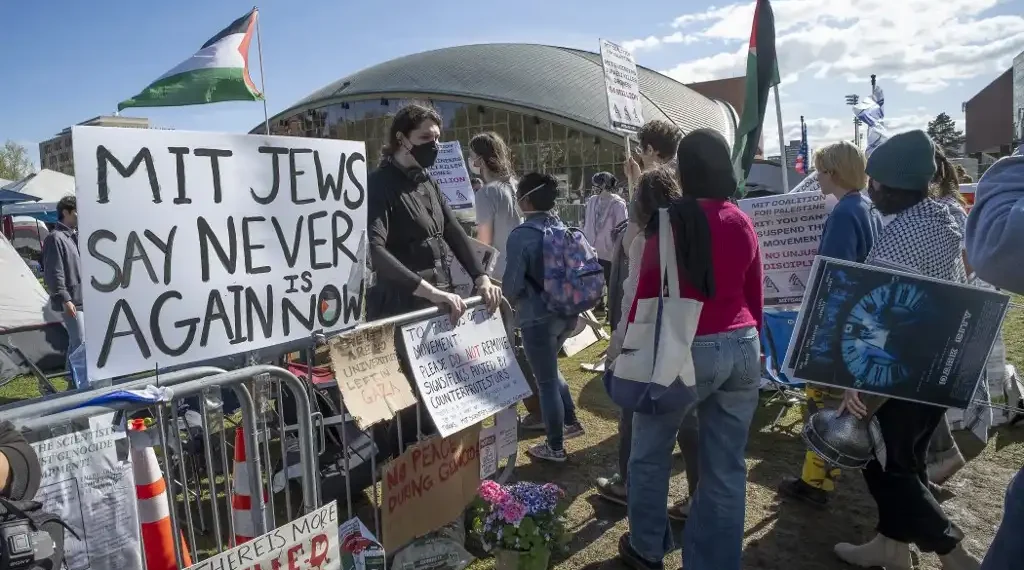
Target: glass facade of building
{"points": [[536, 143]]}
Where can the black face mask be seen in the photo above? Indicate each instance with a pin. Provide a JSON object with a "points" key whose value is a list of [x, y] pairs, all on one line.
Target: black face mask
{"points": [[424, 154]]}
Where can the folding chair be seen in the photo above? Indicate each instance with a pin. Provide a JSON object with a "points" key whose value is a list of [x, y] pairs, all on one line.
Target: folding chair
{"points": [[775, 334]]}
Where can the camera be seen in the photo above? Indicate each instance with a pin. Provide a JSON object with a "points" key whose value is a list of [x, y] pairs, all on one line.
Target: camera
{"points": [[23, 546]]}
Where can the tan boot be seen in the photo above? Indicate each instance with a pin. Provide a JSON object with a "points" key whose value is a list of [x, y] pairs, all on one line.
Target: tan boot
{"points": [[959, 559], [881, 551]]}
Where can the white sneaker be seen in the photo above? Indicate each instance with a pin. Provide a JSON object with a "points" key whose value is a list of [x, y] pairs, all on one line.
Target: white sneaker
{"points": [[881, 551]]}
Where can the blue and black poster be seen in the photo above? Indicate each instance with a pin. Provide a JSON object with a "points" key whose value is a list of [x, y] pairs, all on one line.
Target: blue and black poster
{"points": [[892, 333]]}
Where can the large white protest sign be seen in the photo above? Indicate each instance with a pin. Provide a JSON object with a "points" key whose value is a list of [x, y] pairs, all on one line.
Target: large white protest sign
{"points": [[85, 484], [622, 84], [449, 171], [199, 245], [308, 542], [789, 228], [464, 373]]}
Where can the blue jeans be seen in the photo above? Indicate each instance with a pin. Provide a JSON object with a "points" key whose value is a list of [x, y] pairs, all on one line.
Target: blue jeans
{"points": [[728, 368], [75, 333], [541, 342], [1007, 549]]}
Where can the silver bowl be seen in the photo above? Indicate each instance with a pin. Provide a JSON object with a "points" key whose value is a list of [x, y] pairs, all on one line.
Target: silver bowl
{"points": [[842, 440]]}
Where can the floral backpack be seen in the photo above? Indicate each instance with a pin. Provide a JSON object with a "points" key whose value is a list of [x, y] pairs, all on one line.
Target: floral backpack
{"points": [[573, 277]]}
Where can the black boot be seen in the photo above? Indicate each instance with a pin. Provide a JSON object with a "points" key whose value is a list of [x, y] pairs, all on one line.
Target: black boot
{"points": [[796, 488]]}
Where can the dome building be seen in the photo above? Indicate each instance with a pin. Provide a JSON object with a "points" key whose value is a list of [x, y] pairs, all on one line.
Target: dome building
{"points": [[547, 102]]}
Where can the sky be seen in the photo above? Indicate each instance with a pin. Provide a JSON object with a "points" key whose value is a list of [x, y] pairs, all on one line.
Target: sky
{"points": [[67, 60]]}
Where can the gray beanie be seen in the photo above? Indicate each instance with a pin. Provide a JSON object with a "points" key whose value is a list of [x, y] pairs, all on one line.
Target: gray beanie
{"points": [[906, 161]]}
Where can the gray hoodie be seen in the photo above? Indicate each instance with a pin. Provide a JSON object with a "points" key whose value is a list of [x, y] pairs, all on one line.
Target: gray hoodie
{"points": [[995, 227]]}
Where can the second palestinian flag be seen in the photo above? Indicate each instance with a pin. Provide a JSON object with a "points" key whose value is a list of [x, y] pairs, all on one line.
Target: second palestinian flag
{"points": [[219, 71]]}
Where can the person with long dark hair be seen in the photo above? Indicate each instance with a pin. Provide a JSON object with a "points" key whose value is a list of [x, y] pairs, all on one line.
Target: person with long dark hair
{"points": [[411, 227], [720, 265]]}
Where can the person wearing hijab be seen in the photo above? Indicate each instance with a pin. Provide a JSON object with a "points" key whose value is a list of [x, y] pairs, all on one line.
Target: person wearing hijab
{"points": [[720, 265]]}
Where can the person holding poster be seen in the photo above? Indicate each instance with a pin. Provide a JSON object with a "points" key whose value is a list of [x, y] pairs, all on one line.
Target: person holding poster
{"points": [[923, 238], [496, 211], [411, 227], [719, 261], [849, 234], [995, 232]]}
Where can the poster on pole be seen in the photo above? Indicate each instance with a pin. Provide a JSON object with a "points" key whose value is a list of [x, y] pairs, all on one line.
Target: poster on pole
{"points": [[896, 334], [452, 177], [429, 486], [464, 373], [622, 85], [201, 245], [788, 229], [311, 542], [93, 491]]}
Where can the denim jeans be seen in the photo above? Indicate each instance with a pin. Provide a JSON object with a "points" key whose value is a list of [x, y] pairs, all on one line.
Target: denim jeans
{"points": [[541, 342], [688, 444], [1007, 549], [727, 367], [75, 333]]}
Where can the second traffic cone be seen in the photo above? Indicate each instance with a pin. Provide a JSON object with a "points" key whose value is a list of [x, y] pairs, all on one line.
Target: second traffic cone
{"points": [[154, 511], [241, 496]]}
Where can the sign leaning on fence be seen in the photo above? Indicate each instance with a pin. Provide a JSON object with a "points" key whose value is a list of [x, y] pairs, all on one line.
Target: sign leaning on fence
{"points": [[464, 373], [307, 542], [449, 171], [788, 229], [429, 485], [896, 334], [366, 367], [93, 491], [622, 84], [199, 245]]}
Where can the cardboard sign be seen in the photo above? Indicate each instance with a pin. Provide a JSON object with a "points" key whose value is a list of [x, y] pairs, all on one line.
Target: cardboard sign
{"points": [[367, 370], [308, 542], [622, 84], [892, 333], [450, 174], [464, 373], [429, 485], [789, 229], [200, 245]]}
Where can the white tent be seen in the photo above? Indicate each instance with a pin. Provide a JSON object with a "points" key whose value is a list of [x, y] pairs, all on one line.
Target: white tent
{"points": [[23, 301], [47, 185]]}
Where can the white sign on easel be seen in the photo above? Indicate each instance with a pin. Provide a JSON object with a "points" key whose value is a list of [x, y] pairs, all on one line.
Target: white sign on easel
{"points": [[622, 85], [464, 373], [199, 245], [449, 171]]}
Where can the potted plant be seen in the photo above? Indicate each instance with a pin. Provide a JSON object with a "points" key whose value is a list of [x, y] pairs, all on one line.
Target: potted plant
{"points": [[522, 523]]}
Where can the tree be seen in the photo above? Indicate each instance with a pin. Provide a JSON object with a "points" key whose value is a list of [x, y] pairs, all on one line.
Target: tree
{"points": [[945, 134], [14, 161]]}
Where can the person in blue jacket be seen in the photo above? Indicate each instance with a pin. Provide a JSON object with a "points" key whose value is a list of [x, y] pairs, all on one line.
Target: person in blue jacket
{"points": [[995, 236], [850, 232]]}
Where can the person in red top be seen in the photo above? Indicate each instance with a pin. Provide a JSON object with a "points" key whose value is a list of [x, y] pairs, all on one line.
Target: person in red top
{"points": [[719, 265]]}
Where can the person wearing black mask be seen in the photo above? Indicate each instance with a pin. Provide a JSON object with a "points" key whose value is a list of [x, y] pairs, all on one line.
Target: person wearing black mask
{"points": [[411, 228]]}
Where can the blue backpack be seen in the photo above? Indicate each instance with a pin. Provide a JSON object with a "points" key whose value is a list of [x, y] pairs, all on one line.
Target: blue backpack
{"points": [[573, 276]]}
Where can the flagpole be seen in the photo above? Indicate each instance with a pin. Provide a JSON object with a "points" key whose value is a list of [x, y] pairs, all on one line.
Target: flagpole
{"points": [[263, 80], [782, 143]]}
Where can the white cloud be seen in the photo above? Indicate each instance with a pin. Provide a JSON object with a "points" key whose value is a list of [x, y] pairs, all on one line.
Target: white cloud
{"points": [[827, 130], [923, 45]]}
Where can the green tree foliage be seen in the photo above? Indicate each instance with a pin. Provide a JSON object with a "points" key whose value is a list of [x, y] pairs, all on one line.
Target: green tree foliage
{"points": [[943, 131]]}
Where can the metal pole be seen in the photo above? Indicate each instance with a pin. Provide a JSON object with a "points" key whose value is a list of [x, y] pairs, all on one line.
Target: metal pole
{"points": [[263, 80], [782, 143]]}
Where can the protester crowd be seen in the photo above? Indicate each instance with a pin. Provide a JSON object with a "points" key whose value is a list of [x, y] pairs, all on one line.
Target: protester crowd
{"points": [[680, 236]]}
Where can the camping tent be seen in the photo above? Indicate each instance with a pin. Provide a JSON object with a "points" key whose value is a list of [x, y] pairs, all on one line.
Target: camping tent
{"points": [[32, 336], [48, 187]]}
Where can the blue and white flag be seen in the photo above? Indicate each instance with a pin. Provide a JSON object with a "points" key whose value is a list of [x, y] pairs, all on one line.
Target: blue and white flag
{"points": [[871, 112]]}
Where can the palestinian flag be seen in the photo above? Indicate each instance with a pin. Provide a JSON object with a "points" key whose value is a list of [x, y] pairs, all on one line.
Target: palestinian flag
{"points": [[219, 71], [762, 75]]}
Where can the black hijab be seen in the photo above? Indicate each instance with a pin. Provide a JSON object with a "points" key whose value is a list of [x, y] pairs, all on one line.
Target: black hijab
{"points": [[705, 171]]}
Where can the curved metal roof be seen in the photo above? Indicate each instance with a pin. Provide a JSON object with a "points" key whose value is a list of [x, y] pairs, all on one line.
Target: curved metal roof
{"points": [[560, 81]]}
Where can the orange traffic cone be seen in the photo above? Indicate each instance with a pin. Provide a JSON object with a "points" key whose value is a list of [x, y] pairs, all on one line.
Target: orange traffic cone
{"points": [[154, 511], [241, 496]]}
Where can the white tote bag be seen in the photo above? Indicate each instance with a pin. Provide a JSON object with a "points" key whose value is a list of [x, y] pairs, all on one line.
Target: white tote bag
{"points": [[656, 348]]}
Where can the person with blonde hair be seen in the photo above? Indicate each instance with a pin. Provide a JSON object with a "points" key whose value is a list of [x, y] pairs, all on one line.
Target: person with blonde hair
{"points": [[850, 232]]}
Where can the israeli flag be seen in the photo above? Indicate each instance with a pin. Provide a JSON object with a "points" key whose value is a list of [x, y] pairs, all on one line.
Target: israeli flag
{"points": [[871, 112]]}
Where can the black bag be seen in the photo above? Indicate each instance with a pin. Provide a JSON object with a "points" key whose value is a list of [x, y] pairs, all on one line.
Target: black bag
{"points": [[30, 539]]}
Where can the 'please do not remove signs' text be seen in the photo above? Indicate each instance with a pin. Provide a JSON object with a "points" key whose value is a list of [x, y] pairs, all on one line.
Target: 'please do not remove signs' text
{"points": [[199, 245]]}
